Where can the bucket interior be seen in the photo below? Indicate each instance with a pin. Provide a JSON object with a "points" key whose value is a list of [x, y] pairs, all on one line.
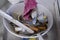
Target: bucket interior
{"points": [[19, 8]]}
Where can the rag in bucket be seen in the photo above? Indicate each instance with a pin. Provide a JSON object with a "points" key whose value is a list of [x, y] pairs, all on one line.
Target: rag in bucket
{"points": [[29, 6]]}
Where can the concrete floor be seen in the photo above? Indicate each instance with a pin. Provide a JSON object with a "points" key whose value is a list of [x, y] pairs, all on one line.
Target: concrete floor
{"points": [[1, 28]]}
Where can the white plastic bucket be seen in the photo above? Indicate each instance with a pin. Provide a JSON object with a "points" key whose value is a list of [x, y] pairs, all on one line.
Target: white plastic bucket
{"points": [[19, 7]]}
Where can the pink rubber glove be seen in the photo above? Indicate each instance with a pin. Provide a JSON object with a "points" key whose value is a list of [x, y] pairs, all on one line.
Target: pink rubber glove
{"points": [[29, 6]]}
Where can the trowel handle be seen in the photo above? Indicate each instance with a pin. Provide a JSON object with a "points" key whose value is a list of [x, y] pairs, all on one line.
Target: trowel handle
{"points": [[11, 19], [15, 1], [40, 37]]}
